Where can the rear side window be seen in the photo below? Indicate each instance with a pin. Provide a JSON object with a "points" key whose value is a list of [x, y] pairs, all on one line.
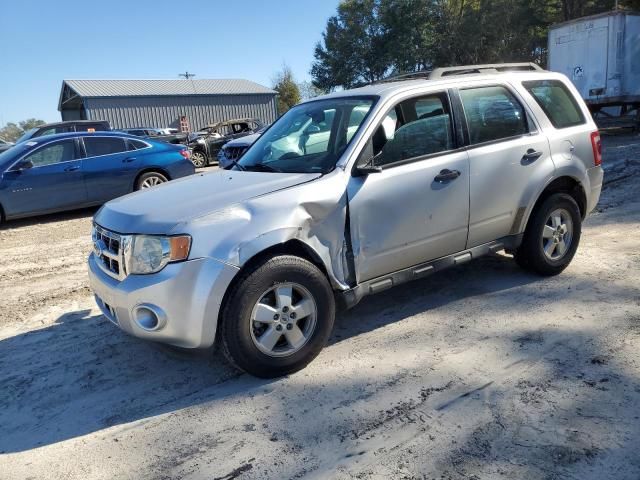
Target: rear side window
{"points": [[556, 101], [493, 114], [96, 146], [136, 144]]}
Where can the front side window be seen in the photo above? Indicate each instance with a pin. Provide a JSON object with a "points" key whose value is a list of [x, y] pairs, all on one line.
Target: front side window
{"points": [[310, 137], [413, 129], [97, 146], [53, 153], [556, 101], [492, 114]]}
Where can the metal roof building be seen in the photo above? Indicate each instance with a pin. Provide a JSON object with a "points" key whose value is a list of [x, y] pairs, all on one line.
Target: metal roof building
{"points": [[164, 103]]}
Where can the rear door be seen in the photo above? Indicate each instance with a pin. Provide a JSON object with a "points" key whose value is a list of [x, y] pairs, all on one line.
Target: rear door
{"points": [[509, 159], [50, 179], [110, 166]]}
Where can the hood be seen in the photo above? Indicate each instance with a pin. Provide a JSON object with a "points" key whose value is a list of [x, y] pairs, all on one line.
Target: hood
{"points": [[246, 141], [159, 209]]}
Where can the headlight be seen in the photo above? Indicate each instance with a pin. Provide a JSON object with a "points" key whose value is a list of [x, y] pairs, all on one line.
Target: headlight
{"points": [[151, 253]]}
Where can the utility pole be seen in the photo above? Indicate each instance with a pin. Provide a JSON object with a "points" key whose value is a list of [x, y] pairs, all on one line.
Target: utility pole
{"points": [[187, 75]]}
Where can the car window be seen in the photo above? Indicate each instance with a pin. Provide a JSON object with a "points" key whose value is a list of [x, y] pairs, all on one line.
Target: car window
{"points": [[492, 113], [309, 138], [53, 153], [414, 128], [135, 144], [96, 146], [556, 101], [48, 131]]}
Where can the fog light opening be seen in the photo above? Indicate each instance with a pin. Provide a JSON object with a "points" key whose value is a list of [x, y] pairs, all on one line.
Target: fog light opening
{"points": [[149, 318]]}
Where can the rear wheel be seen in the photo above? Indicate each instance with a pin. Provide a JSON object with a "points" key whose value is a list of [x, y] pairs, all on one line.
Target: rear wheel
{"points": [[150, 179], [199, 159], [552, 236], [278, 317]]}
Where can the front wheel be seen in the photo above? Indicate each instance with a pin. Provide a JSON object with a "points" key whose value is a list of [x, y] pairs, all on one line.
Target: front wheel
{"points": [[552, 236], [277, 317]]}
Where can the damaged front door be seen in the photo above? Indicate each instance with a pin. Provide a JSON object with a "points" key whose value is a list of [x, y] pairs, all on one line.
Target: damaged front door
{"points": [[417, 207]]}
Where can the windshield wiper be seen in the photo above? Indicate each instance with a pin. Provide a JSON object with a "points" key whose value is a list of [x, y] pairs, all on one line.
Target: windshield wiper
{"points": [[262, 167]]}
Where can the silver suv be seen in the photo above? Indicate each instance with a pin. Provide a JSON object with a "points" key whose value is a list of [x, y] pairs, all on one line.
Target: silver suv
{"points": [[344, 196]]}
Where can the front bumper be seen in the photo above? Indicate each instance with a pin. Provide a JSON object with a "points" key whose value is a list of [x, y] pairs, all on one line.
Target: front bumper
{"points": [[186, 295]]}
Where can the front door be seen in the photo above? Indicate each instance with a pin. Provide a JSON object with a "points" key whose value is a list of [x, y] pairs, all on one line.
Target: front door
{"points": [[47, 179], [417, 208]]}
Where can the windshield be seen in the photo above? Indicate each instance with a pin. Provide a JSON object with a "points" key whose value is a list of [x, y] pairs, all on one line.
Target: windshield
{"points": [[26, 135], [309, 138]]}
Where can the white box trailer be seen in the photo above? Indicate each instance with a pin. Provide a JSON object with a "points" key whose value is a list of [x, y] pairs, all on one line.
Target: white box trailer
{"points": [[601, 55]]}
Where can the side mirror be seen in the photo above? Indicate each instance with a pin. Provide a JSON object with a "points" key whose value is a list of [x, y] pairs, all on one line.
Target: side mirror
{"points": [[311, 129], [26, 165], [365, 164]]}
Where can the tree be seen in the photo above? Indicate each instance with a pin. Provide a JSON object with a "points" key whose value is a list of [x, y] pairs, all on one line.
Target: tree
{"points": [[12, 132], [368, 40], [30, 123], [288, 91], [353, 48], [308, 90]]}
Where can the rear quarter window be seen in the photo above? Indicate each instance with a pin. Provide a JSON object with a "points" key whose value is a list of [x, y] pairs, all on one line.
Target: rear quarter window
{"points": [[556, 101]]}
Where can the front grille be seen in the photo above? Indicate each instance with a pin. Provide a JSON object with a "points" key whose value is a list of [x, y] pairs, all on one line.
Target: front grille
{"points": [[107, 248], [234, 153]]}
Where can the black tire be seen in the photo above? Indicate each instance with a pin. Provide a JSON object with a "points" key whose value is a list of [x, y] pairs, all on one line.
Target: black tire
{"points": [[531, 254], [236, 325], [199, 159], [148, 178]]}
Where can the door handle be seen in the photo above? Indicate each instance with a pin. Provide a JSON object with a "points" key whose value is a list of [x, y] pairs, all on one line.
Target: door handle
{"points": [[72, 169], [446, 175], [129, 160], [531, 155]]}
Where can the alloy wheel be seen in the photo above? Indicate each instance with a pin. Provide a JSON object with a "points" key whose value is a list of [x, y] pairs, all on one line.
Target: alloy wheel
{"points": [[283, 320], [152, 181], [557, 234]]}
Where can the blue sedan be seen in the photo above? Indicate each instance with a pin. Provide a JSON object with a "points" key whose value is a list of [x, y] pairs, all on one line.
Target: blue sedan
{"points": [[75, 170]]}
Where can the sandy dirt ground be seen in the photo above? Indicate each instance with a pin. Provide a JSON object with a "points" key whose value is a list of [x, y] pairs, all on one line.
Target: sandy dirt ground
{"points": [[483, 371]]}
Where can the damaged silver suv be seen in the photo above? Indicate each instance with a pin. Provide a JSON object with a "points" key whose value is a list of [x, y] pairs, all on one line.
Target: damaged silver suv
{"points": [[344, 196]]}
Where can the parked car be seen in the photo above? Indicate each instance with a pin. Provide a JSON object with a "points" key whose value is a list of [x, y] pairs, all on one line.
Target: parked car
{"points": [[168, 131], [233, 150], [75, 170], [66, 127], [157, 134], [5, 145], [415, 176], [206, 142]]}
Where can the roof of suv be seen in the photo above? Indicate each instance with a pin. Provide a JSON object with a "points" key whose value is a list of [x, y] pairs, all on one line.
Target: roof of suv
{"points": [[389, 88]]}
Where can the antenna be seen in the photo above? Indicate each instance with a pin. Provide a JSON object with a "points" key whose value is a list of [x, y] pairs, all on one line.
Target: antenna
{"points": [[187, 75]]}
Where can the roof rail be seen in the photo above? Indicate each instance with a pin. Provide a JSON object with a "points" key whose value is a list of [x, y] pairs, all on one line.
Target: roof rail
{"points": [[487, 68], [461, 70], [426, 74]]}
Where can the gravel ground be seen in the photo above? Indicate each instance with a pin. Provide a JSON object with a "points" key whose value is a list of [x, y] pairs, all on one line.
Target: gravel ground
{"points": [[483, 371]]}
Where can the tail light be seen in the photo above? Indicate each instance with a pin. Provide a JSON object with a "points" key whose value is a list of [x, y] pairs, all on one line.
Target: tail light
{"points": [[186, 153], [596, 144]]}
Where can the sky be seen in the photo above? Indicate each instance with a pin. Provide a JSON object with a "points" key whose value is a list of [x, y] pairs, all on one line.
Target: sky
{"points": [[43, 42]]}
